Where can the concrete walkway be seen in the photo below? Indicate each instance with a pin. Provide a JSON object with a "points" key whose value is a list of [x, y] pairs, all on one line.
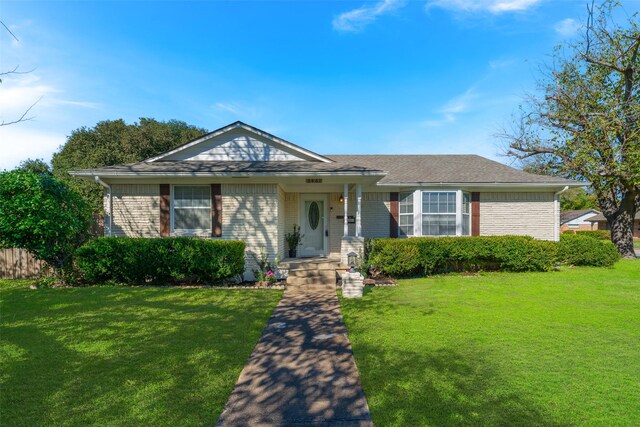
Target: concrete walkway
{"points": [[302, 371]]}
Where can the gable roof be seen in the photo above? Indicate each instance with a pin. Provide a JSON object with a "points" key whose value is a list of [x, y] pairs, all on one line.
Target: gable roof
{"points": [[566, 216], [445, 169], [601, 217], [303, 152]]}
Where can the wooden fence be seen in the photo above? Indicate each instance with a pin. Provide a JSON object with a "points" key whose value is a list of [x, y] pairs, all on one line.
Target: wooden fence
{"points": [[18, 264]]}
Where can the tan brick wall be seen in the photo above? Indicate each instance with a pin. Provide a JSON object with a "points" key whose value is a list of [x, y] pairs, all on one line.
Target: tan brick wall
{"points": [[520, 213], [136, 210], [250, 213]]}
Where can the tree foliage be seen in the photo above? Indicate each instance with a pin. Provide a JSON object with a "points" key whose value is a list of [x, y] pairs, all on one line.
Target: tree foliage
{"points": [[113, 142], [36, 166], [585, 124], [42, 215], [577, 199]]}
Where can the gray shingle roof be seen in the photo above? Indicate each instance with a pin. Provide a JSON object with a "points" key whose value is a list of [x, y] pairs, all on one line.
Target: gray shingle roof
{"points": [[566, 216], [209, 167], [449, 168], [600, 217], [397, 169]]}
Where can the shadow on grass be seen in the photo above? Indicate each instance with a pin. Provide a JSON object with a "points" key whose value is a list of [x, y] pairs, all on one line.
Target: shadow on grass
{"points": [[125, 356], [441, 388]]}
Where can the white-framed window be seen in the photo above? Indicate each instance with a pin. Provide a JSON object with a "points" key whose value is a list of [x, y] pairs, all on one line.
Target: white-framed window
{"points": [[191, 209], [466, 214], [405, 218], [438, 213], [434, 213]]}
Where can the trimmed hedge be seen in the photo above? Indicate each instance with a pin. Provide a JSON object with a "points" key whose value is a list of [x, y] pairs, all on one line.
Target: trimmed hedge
{"points": [[162, 261], [429, 255], [597, 234], [578, 249]]}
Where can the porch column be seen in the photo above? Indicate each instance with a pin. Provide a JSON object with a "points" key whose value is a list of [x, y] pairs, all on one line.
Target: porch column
{"points": [[345, 195], [358, 210]]}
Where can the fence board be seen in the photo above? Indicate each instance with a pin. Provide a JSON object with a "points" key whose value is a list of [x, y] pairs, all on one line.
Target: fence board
{"points": [[19, 264]]}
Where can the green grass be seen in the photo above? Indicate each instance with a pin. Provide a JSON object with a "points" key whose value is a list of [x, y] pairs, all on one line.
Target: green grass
{"points": [[123, 356], [636, 243], [554, 349]]}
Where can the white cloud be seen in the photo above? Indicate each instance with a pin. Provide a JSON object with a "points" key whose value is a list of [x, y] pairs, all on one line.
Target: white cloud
{"points": [[567, 27], [449, 111], [357, 19], [491, 6], [20, 142]]}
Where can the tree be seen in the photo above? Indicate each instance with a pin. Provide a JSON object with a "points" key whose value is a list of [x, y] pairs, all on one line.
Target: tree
{"points": [[40, 214], [586, 122], [113, 142], [36, 166], [577, 199]]}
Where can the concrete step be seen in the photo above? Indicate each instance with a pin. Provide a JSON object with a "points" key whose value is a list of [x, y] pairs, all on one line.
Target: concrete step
{"points": [[313, 273], [311, 288], [311, 281]]}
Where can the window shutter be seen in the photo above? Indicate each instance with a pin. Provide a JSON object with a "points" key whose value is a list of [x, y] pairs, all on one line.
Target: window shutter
{"points": [[475, 214], [393, 218], [216, 210], [165, 210]]}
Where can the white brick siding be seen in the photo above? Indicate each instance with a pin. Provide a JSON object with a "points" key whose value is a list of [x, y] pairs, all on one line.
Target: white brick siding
{"points": [[136, 210], [521, 213]]}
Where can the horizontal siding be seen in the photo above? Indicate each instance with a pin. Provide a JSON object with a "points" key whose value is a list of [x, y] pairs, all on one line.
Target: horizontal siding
{"points": [[291, 217], [136, 210], [519, 213], [234, 146], [250, 214]]}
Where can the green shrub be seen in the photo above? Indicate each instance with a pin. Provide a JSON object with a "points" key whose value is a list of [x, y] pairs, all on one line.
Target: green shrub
{"points": [[585, 250], [136, 261], [597, 234], [429, 255]]}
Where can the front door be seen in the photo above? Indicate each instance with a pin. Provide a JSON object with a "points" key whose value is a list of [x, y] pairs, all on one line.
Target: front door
{"points": [[313, 224]]}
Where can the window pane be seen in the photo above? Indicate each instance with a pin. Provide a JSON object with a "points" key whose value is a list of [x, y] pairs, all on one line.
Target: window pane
{"points": [[439, 225], [466, 225], [191, 207], [406, 230], [192, 219]]}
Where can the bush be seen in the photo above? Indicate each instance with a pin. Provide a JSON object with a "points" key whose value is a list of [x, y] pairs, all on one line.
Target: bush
{"points": [[584, 249], [429, 255], [597, 234], [137, 261], [42, 215]]}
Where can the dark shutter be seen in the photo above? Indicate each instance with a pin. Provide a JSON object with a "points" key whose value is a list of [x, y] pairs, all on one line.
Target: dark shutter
{"points": [[475, 214], [165, 210], [216, 210], [393, 218]]}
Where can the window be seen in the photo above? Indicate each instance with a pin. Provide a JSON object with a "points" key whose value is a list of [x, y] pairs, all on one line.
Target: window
{"points": [[466, 214], [406, 214], [439, 213], [191, 208]]}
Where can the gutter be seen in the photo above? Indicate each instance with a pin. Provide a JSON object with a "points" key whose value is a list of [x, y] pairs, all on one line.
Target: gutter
{"points": [[556, 213], [107, 215]]}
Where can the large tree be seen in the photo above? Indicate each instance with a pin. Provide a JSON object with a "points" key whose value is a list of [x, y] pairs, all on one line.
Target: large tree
{"points": [[42, 215], [114, 142], [585, 123]]}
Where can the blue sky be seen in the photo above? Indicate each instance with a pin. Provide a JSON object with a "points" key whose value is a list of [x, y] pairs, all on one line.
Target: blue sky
{"points": [[392, 76]]}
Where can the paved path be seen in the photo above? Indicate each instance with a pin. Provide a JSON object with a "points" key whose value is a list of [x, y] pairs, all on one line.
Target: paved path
{"points": [[302, 371]]}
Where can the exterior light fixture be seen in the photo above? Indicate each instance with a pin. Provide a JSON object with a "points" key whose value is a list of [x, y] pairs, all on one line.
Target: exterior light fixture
{"points": [[352, 259], [341, 199]]}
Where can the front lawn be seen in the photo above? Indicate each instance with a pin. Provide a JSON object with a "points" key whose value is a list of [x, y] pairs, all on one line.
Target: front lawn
{"points": [[123, 356], [559, 348]]}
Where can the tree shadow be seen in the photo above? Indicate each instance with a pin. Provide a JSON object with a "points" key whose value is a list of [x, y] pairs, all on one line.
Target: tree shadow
{"points": [[301, 371]]}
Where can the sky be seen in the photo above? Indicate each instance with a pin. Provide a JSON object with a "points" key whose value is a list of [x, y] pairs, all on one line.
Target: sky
{"points": [[336, 77]]}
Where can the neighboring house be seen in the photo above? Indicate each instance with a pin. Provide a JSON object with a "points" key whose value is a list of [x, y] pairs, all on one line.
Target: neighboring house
{"points": [[602, 223], [240, 182], [578, 220]]}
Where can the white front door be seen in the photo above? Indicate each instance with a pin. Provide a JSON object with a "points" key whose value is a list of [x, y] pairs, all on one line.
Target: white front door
{"points": [[313, 224]]}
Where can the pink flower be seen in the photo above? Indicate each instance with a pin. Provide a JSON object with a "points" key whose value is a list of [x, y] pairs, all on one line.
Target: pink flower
{"points": [[271, 274]]}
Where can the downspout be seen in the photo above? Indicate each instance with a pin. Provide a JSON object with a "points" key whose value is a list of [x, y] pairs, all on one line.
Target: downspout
{"points": [[108, 216], [556, 213]]}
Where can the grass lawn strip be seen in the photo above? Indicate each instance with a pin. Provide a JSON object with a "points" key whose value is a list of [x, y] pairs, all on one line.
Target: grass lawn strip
{"points": [[123, 356], [558, 348]]}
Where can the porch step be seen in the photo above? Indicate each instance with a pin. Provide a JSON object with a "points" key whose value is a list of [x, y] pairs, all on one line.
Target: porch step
{"points": [[311, 273]]}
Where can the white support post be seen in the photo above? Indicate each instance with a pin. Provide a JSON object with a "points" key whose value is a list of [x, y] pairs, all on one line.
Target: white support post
{"points": [[345, 195], [358, 210]]}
